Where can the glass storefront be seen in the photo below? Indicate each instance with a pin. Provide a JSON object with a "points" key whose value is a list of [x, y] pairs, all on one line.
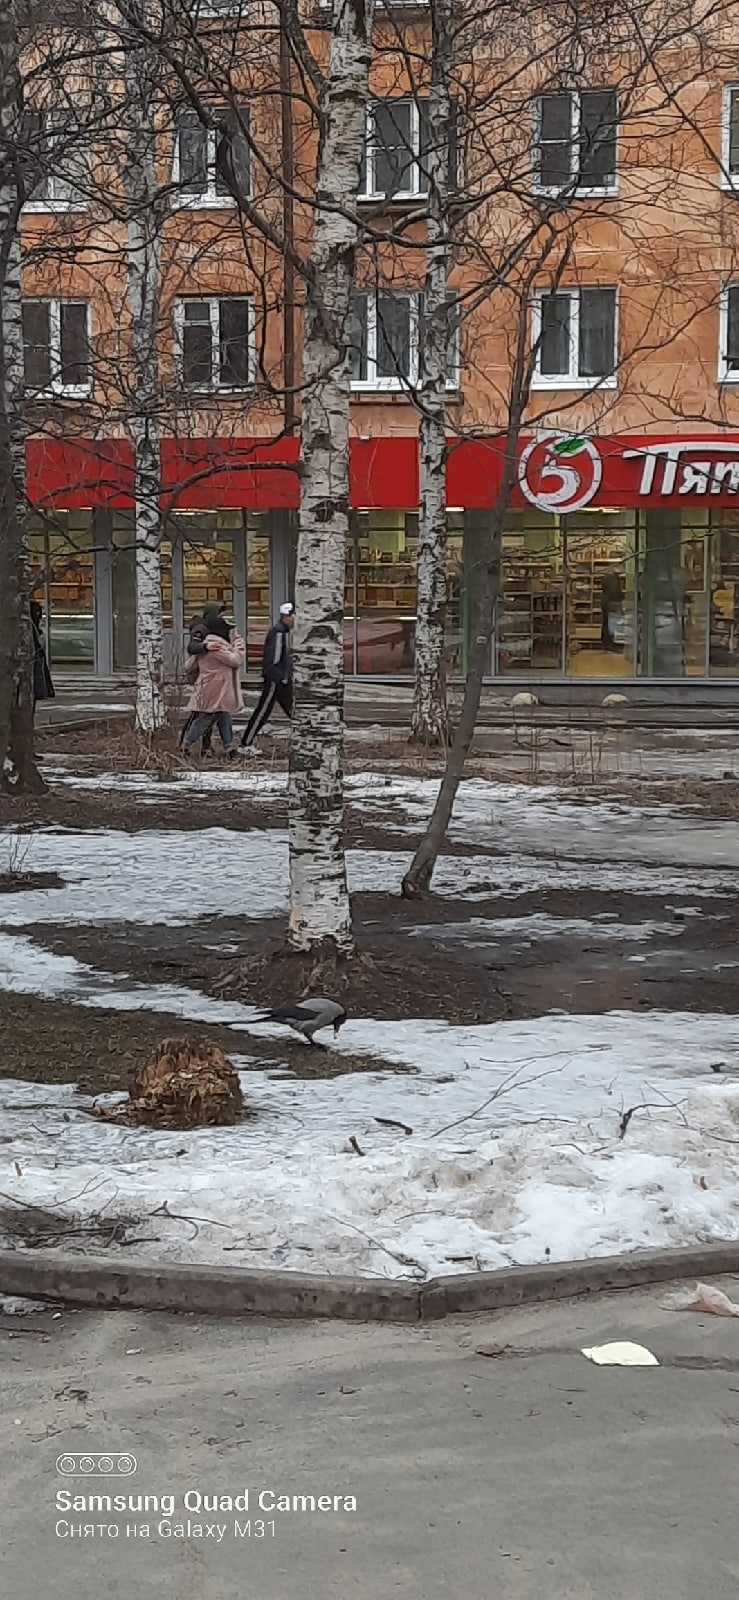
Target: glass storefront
{"points": [[599, 594], [723, 593], [61, 570], [381, 594]]}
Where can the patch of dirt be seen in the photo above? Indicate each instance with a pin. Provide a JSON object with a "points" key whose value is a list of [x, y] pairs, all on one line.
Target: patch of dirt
{"points": [[714, 799], [402, 973], [50, 1041], [92, 809], [18, 882]]}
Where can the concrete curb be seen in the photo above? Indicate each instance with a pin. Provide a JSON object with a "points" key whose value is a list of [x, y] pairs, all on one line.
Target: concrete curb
{"points": [[231, 1292]]}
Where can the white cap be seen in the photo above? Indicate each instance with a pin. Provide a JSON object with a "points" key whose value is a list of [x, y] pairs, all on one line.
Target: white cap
{"points": [[287, 609]]}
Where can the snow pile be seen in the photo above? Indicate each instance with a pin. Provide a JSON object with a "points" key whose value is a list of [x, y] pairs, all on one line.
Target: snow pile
{"points": [[514, 1151], [411, 1205]]}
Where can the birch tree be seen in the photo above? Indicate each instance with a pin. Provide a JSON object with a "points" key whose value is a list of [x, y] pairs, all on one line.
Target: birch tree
{"points": [[17, 762], [430, 717], [144, 229], [320, 912]]}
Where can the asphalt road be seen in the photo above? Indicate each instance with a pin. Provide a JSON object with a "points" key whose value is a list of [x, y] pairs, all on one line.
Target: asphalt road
{"points": [[532, 1475]]}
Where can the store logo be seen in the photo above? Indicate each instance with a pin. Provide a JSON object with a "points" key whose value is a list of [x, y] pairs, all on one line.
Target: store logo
{"points": [[559, 472]]}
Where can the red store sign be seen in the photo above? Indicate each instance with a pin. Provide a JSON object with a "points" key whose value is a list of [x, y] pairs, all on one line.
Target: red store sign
{"points": [[556, 472]]}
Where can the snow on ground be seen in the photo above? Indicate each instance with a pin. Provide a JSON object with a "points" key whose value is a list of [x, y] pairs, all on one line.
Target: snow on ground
{"points": [[513, 932], [534, 1168], [155, 876], [515, 818], [540, 1171]]}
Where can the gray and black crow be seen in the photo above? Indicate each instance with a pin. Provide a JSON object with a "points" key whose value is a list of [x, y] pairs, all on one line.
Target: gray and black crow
{"points": [[308, 1017]]}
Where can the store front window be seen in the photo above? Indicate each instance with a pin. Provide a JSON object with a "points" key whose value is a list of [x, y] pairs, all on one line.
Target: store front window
{"points": [[61, 571], [724, 595], [381, 594], [530, 609], [672, 594], [600, 629]]}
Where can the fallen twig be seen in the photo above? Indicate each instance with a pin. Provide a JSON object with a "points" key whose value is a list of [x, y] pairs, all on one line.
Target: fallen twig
{"points": [[389, 1122]]}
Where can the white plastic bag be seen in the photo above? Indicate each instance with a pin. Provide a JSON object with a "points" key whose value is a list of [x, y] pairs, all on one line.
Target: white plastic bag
{"points": [[704, 1297]]}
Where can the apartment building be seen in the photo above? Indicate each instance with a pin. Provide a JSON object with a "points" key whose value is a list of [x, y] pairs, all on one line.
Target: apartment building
{"points": [[620, 556]]}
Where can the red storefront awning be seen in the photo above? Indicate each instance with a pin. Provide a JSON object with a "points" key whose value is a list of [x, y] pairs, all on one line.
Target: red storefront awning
{"points": [[555, 473]]}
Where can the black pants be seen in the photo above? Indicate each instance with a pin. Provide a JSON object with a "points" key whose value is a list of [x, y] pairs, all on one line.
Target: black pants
{"points": [[280, 694]]}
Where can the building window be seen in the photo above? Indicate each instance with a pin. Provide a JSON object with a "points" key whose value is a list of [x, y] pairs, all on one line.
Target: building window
{"points": [[574, 331], [59, 161], [395, 146], [385, 339], [215, 343], [210, 162], [56, 347], [730, 138], [729, 334], [576, 141]]}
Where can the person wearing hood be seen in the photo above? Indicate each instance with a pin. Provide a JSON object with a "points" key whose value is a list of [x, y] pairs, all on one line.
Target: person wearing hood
{"points": [[196, 648], [43, 687], [277, 676], [216, 693]]}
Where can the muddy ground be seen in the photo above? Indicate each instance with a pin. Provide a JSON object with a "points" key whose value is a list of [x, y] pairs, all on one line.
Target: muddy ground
{"points": [[451, 971], [694, 967]]}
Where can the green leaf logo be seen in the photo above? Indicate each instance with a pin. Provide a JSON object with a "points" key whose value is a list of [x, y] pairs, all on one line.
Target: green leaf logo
{"points": [[568, 447]]}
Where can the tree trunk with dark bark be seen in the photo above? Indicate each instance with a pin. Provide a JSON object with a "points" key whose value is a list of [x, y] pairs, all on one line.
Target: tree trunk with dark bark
{"points": [[418, 877], [18, 769]]}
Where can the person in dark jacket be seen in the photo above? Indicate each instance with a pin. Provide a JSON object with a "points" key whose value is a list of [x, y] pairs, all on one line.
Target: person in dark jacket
{"points": [[277, 676], [43, 687]]}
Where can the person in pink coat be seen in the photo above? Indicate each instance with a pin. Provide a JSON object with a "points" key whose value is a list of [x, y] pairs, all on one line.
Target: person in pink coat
{"points": [[216, 694]]}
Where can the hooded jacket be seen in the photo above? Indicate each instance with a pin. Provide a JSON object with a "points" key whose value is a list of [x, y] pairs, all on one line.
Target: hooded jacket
{"points": [[277, 659]]}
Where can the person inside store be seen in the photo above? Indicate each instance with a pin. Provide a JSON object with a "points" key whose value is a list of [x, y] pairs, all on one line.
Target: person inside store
{"points": [[611, 607], [43, 687], [277, 676], [216, 694]]}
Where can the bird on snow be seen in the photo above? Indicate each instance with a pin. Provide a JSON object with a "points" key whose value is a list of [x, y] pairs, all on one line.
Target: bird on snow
{"points": [[308, 1017]]}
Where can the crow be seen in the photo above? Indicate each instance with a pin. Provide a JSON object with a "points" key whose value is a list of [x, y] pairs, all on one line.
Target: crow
{"points": [[308, 1017]]}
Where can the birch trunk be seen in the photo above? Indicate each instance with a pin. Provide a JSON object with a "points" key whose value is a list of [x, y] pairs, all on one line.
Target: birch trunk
{"points": [[430, 717], [18, 770], [418, 876], [144, 226], [320, 913]]}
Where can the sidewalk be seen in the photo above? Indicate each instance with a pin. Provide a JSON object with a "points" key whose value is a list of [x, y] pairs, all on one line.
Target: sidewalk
{"points": [[527, 1473]]}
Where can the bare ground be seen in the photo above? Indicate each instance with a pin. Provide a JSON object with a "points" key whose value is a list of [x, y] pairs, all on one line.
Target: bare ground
{"points": [[401, 972]]}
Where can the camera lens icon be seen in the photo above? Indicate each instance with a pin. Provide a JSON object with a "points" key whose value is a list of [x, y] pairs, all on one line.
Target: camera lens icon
{"points": [[106, 1464]]}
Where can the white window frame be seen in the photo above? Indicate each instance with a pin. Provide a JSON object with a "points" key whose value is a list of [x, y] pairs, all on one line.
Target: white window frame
{"points": [[579, 191], [56, 389], [51, 204], [209, 198], [376, 384], [400, 195], [208, 10], [214, 302], [571, 379], [729, 180], [726, 374]]}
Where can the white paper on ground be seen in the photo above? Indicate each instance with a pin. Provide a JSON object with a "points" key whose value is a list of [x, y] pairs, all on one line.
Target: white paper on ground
{"points": [[621, 1353]]}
